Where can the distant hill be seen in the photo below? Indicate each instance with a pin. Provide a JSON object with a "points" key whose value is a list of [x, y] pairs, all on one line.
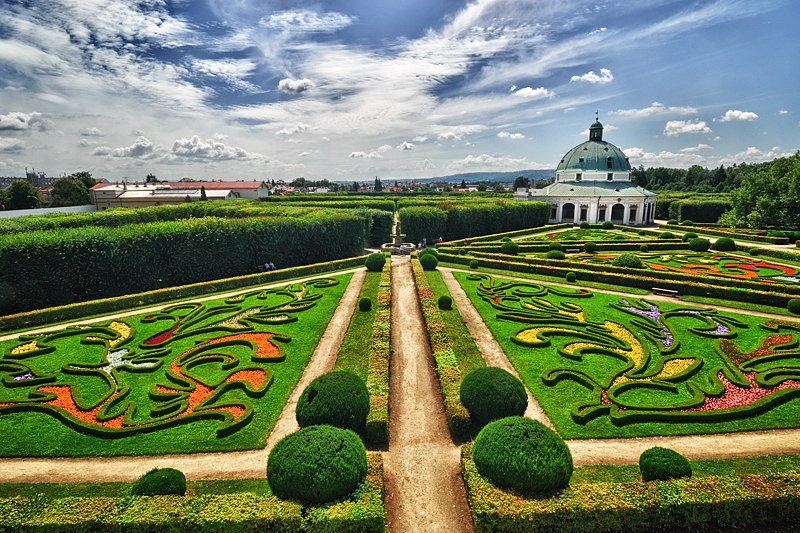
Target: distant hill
{"points": [[473, 177]]}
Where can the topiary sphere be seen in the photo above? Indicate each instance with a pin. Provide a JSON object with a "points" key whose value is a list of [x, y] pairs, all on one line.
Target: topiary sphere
{"points": [[474, 264], [725, 244], [585, 225], [590, 247], [644, 248], [554, 246], [666, 235], [432, 251], [570, 277], [509, 248], [364, 304], [687, 223], [337, 398], [445, 302], [523, 454], [462, 251], [663, 464], [607, 224], [159, 481], [428, 261], [699, 245], [556, 254], [375, 262], [490, 393], [627, 261], [753, 251], [793, 306], [672, 221], [317, 464], [688, 236]]}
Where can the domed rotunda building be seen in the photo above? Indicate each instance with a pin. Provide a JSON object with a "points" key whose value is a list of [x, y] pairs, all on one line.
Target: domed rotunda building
{"points": [[593, 184]]}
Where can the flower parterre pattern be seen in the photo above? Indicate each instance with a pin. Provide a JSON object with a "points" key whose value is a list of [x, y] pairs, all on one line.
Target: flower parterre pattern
{"points": [[648, 383], [204, 362]]}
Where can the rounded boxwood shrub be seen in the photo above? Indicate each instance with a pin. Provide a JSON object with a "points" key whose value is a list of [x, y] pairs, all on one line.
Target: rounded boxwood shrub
{"points": [[687, 223], [365, 304], [490, 393], [627, 261], [753, 251], [663, 464], [699, 245], [725, 244], [510, 248], [337, 398], [793, 306], [775, 233], [432, 251], [556, 254], [160, 481], [375, 262], [644, 248], [523, 454], [445, 302], [506, 239], [462, 251], [554, 246], [590, 247], [317, 464], [689, 235], [607, 224], [666, 235], [570, 276], [428, 261], [672, 221], [474, 264], [585, 225]]}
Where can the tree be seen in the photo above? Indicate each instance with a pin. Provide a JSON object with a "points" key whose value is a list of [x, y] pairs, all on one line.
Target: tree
{"points": [[203, 196], [151, 178], [521, 183], [23, 195], [463, 184], [69, 191], [85, 177], [355, 186], [378, 185]]}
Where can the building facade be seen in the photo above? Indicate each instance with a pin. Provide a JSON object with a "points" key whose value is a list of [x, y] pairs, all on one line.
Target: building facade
{"points": [[593, 184]]}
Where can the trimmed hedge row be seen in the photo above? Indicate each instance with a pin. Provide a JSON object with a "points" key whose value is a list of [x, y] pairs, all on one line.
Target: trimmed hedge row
{"points": [[471, 219], [601, 246], [683, 283], [55, 315], [702, 211], [57, 267], [376, 432], [445, 362], [697, 504], [720, 233], [338, 201], [247, 512], [516, 233]]}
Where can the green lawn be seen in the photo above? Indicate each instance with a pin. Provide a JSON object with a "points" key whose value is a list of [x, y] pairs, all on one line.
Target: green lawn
{"points": [[210, 376], [601, 371], [354, 352]]}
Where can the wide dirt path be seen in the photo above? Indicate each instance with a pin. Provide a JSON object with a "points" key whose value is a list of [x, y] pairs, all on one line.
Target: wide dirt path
{"points": [[223, 465], [627, 451], [422, 475]]}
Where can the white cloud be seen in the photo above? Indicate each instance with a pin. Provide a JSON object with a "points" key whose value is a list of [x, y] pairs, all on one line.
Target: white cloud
{"points": [[734, 115], [679, 127], [365, 155], [496, 161], [208, 150], [693, 149], [142, 148], [92, 132], [528, 92], [102, 150], [300, 127], [306, 21], [8, 144], [665, 158], [507, 135], [756, 155], [290, 86], [405, 145], [384, 148], [656, 108], [783, 111], [604, 77], [304, 154], [16, 121], [420, 139]]}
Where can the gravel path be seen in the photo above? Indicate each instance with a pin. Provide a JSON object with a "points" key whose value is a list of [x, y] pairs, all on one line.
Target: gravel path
{"points": [[627, 451], [224, 465], [424, 489]]}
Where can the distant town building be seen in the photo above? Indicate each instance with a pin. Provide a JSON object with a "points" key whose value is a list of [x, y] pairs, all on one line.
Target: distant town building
{"points": [[593, 184], [106, 195], [37, 179]]}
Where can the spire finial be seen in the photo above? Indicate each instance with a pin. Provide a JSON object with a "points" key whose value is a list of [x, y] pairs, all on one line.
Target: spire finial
{"points": [[597, 115]]}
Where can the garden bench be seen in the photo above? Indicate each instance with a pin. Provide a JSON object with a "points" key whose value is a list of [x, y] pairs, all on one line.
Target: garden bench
{"points": [[665, 292]]}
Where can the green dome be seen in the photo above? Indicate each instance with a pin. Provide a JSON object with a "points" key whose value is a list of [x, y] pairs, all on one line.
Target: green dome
{"points": [[594, 155]]}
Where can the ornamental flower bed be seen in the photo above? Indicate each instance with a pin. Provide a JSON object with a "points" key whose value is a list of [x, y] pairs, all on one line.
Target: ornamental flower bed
{"points": [[625, 366], [209, 375]]}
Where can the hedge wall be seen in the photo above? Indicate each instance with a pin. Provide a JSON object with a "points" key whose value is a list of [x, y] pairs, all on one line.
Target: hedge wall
{"points": [[698, 210], [422, 222], [46, 268], [713, 503], [248, 512]]}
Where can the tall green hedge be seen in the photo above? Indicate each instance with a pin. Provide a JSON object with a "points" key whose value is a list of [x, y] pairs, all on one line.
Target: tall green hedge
{"points": [[703, 211], [422, 223], [57, 267]]}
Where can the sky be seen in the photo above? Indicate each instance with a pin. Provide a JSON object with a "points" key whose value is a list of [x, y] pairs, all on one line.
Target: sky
{"points": [[358, 89]]}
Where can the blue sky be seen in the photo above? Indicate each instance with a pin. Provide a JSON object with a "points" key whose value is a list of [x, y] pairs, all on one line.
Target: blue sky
{"points": [[353, 89]]}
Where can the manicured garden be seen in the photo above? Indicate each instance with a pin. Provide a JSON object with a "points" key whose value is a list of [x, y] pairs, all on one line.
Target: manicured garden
{"points": [[196, 376], [627, 367]]}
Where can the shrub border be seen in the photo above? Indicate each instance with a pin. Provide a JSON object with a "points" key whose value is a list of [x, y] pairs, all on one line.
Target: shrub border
{"points": [[738, 236], [376, 432]]}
